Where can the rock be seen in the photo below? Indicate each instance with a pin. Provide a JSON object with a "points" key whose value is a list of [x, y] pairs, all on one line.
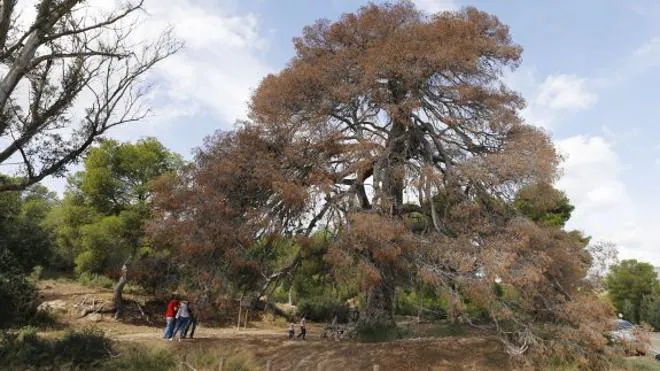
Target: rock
{"points": [[95, 317], [53, 306]]}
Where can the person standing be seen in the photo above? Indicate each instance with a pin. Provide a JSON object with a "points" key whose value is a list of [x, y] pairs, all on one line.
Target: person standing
{"points": [[182, 320], [170, 321], [192, 324], [292, 330], [303, 331]]}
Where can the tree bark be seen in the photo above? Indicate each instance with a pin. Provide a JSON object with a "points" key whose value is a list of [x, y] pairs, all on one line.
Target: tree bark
{"points": [[379, 311], [119, 304]]}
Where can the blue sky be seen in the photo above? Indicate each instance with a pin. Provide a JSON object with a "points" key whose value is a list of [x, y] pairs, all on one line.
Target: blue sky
{"points": [[590, 74]]}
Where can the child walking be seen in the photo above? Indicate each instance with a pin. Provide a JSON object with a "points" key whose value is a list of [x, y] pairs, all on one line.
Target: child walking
{"points": [[292, 330]]}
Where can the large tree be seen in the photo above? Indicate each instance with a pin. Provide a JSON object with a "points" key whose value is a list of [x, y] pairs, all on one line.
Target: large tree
{"points": [[418, 106], [385, 112], [69, 74]]}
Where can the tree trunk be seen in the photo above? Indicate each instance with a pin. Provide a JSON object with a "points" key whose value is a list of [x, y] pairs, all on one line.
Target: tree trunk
{"points": [[291, 295], [379, 311], [119, 305]]}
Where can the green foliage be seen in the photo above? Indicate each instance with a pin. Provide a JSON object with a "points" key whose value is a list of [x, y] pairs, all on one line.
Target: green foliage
{"points": [[408, 302], [19, 297], [650, 310], [628, 283], [77, 350], [323, 309], [544, 204], [100, 223], [22, 228], [118, 174]]}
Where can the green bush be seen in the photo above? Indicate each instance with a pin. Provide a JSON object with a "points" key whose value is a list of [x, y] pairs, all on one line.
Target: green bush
{"points": [[323, 309], [87, 349], [19, 298]]}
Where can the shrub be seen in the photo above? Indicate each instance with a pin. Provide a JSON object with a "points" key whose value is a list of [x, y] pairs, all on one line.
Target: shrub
{"points": [[87, 349], [323, 309], [19, 298], [37, 271], [378, 333]]}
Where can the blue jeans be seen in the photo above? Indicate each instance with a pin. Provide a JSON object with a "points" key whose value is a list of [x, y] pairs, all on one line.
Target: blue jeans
{"points": [[169, 327], [181, 324]]}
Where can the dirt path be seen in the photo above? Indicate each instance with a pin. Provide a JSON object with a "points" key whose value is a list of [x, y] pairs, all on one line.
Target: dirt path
{"points": [[314, 353], [267, 341]]}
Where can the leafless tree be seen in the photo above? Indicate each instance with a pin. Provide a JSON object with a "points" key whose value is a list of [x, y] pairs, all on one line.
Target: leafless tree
{"points": [[66, 77]]}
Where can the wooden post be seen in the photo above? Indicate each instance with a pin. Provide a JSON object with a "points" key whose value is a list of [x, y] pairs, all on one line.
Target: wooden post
{"points": [[376, 368], [268, 365], [221, 366], [247, 313]]}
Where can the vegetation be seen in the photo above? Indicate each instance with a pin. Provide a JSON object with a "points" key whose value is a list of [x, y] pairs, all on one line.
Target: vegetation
{"points": [[628, 283], [386, 169], [90, 349]]}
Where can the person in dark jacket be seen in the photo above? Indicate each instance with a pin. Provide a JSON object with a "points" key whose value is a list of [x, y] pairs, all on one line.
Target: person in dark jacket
{"points": [[192, 324]]}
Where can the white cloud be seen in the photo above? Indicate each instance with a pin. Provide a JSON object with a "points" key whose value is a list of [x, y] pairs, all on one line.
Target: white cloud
{"points": [[434, 6], [221, 62], [565, 92], [604, 208]]}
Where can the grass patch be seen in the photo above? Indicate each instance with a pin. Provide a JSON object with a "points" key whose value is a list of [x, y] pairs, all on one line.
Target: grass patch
{"points": [[379, 333], [89, 349], [447, 330], [141, 358], [642, 364], [203, 358], [95, 280]]}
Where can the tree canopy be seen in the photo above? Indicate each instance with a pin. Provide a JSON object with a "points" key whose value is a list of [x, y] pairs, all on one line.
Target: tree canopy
{"points": [[104, 209]]}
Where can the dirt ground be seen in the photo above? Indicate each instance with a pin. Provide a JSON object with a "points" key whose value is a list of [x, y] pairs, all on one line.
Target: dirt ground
{"points": [[267, 341]]}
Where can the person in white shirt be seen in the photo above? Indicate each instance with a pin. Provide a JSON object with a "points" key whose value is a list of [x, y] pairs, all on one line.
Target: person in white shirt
{"points": [[302, 328], [182, 319]]}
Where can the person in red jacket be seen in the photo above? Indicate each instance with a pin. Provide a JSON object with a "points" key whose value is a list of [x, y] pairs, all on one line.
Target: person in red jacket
{"points": [[172, 308]]}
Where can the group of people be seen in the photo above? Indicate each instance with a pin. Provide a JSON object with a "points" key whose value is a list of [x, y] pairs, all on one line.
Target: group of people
{"points": [[179, 319], [292, 329]]}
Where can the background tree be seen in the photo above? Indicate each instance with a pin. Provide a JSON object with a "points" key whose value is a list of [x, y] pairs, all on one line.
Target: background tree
{"points": [[23, 229], [101, 221], [69, 50], [628, 283], [25, 242]]}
